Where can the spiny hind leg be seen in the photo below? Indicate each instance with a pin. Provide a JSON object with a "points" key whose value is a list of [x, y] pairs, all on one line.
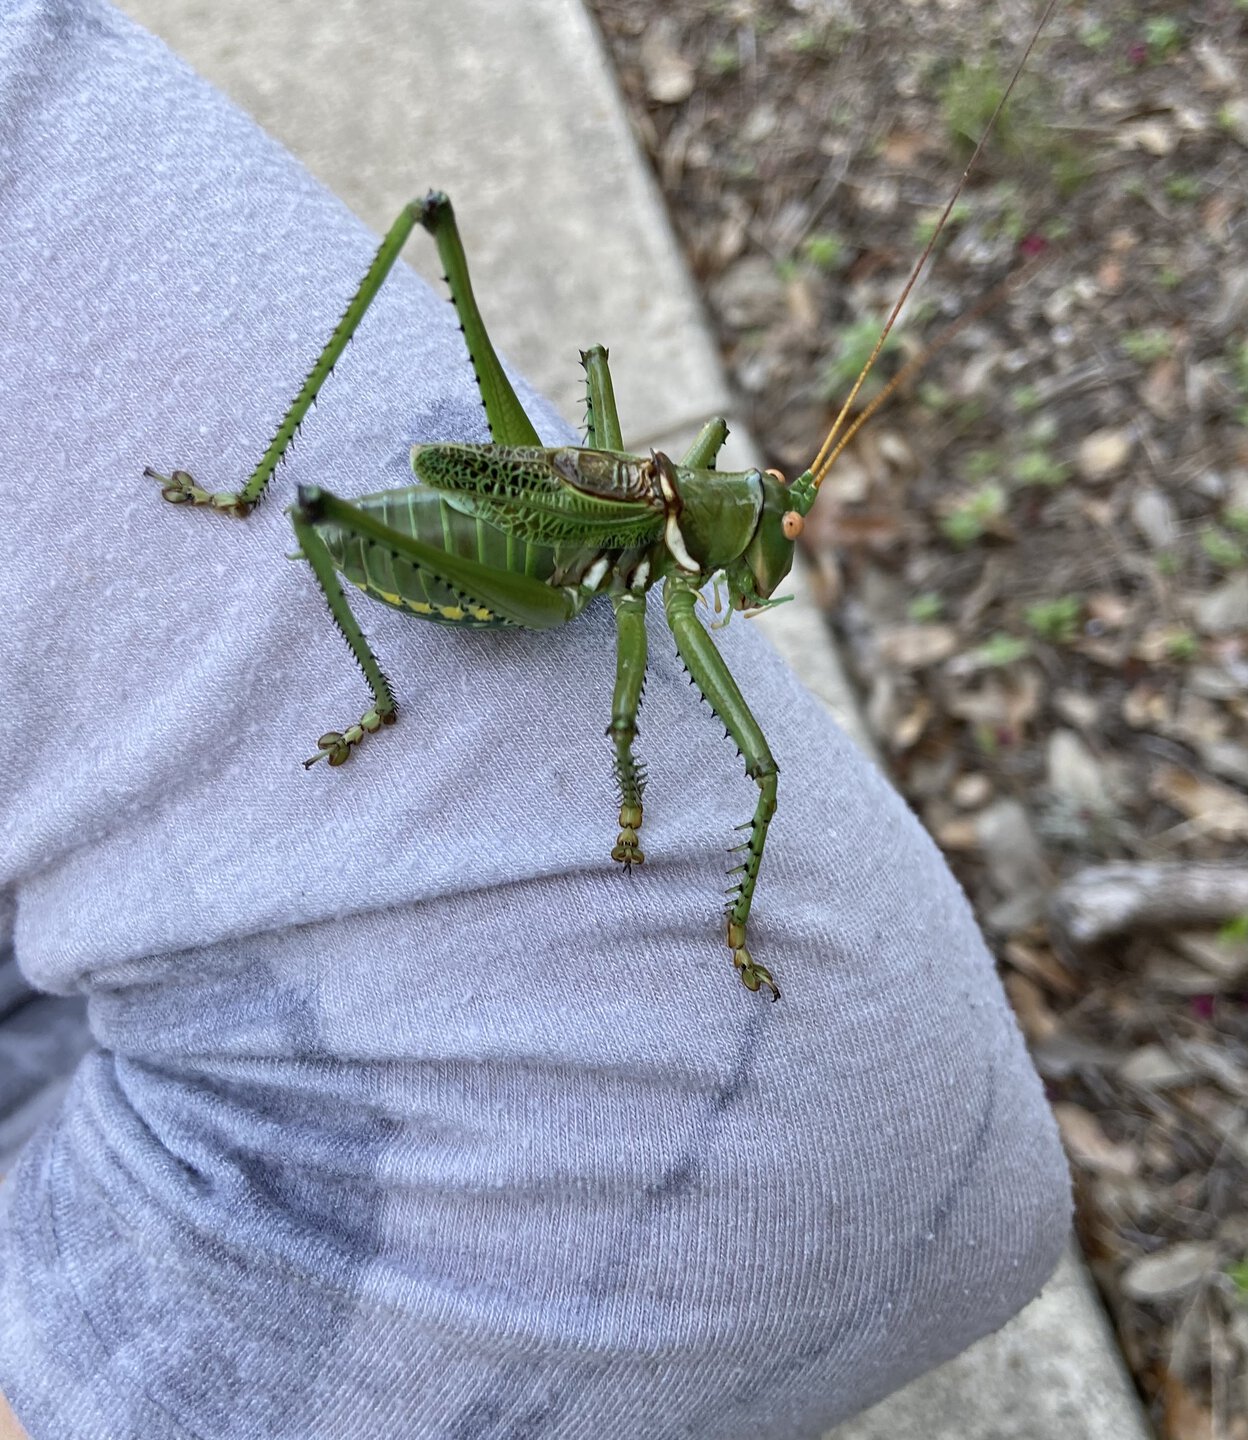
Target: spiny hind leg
{"points": [[630, 679], [179, 488], [719, 689], [336, 745]]}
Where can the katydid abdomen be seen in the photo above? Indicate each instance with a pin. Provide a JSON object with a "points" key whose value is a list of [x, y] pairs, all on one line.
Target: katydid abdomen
{"points": [[424, 515]]}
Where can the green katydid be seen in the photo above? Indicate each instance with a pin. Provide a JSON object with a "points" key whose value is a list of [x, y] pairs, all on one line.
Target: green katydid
{"points": [[516, 533]]}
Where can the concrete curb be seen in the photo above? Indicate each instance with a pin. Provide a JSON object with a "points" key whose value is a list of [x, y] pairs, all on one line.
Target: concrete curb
{"points": [[513, 110]]}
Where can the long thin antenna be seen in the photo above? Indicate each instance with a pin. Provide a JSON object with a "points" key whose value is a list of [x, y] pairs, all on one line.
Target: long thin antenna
{"points": [[830, 449], [950, 332]]}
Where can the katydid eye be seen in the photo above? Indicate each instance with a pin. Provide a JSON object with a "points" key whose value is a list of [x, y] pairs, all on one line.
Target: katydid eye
{"points": [[791, 523], [779, 476]]}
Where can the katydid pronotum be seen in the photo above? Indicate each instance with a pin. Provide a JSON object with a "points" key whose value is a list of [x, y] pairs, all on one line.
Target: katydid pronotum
{"points": [[512, 532]]}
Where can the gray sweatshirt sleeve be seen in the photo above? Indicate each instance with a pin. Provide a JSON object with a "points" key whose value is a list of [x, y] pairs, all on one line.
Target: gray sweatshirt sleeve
{"points": [[404, 1113]]}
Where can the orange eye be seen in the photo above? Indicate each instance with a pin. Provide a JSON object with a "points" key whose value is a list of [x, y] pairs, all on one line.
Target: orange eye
{"points": [[792, 524], [779, 475]]}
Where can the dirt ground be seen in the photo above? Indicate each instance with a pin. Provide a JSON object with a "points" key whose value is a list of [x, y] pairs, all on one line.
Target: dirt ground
{"points": [[1037, 555]]}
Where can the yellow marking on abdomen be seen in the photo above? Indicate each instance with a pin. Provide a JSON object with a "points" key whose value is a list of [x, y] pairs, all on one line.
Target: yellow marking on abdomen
{"points": [[423, 607]]}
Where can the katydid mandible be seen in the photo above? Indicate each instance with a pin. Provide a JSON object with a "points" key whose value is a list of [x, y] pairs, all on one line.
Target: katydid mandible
{"points": [[513, 532]]}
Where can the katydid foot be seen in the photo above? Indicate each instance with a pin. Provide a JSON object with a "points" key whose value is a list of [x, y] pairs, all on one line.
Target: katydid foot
{"points": [[336, 745], [180, 488], [627, 849], [753, 975]]}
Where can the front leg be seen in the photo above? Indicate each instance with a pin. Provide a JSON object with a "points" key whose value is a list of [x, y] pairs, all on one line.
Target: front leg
{"points": [[719, 689]]}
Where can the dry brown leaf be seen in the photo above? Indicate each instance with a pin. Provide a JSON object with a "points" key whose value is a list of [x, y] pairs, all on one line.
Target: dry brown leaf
{"points": [[960, 833], [907, 731], [1039, 963], [1162, 392], [1034, 1013], [1214, 809], [1088, 1145], [1183, 1416], [902, 148], [1145, 707], [1111, 609], [912, 647]]}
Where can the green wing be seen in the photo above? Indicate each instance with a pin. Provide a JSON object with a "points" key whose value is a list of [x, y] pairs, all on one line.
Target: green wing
{"points": [[549, 496]]}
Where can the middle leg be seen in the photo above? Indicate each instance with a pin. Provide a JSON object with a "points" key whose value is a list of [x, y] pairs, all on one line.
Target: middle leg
{"points": [[630, 679]]}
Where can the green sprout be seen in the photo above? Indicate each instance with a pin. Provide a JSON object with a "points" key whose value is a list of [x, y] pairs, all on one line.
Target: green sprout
{"points": [[1224, 551], [980, 464], [1026, 398], [933, 397], [1182, 645], [1038, 467], [925, 225], [824, 250], [1183, 188], [1145, 346], [968, 521], [1163, 35], [857, 343], [1055, 620], [1000, 650], [926, 607], [724, 59]]}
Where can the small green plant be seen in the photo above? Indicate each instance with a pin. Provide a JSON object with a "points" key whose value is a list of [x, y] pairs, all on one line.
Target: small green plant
{"points": [[926, 607], [824, 250], [925, 225], [1071, 168], [1235, 931], [969, 93], [724, 59], [1096, 36], [1169, 278], [1163, 35], [1026, 399], [968, 520], [1038, 467], [1236, 518], [1183, 645], [1145, 346], [1055, 620], [1221, 548], [1237, 358], [1183, 188], [980, 464], [1167, 562], [933, 397], [856, 344], [1000, 650]]}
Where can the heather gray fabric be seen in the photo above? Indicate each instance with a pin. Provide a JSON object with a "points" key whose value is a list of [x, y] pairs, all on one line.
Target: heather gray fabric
{"points": [[407, 1115]]}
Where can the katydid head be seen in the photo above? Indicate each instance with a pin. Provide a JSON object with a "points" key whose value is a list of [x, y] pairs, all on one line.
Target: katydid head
{"points": [[768, 558]]}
